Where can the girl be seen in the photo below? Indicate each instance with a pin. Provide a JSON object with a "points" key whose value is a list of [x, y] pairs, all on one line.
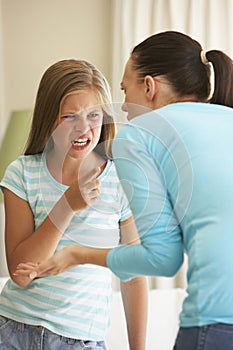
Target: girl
{"points": [[65, 190]]}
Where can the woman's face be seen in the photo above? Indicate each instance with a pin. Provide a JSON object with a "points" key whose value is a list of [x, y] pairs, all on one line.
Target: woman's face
{"points": [[135, 102], [79, 124]]}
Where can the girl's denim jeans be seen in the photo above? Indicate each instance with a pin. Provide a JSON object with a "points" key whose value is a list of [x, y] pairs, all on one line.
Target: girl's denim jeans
{"points": [[15, 335], [217, 336]]}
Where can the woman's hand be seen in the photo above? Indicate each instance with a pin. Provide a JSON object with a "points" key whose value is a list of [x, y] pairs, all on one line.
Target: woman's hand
{"points": [[61, 261], [84, 192]]}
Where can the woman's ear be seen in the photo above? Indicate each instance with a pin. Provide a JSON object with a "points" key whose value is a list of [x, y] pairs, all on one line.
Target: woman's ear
{"points": [[151, 87]]}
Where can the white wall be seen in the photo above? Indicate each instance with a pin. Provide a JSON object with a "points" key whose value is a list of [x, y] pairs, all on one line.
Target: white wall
{"points": [[36, 33]]}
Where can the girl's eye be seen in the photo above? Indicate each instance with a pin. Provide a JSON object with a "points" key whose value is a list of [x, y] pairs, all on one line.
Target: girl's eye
{"points": [[94, 115], [68, 117]]}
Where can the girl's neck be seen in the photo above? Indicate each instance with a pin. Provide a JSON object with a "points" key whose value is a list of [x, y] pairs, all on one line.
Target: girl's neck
{"points": [[66, 170]]}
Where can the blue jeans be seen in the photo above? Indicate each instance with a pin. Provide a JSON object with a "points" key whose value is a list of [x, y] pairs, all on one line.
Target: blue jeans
{"points": [[217, 336], [19, 336]]}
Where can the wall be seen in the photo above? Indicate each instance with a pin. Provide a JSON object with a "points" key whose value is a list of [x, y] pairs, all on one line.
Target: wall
{"points": [[35, 34], [1, 79]]}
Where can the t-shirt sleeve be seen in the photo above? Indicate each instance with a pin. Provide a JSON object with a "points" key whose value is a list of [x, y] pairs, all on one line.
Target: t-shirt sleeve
{"points": [[13, 179], [125, 207]]}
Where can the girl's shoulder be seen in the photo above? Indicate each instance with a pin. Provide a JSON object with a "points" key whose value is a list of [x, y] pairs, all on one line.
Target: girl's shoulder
{"points": [[25, 163], [109, 170], [28, 160], [20, 174]]}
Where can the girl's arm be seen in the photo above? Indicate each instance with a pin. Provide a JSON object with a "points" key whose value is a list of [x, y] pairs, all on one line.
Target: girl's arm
{"points": [[134, 295], [135, 300], [23, 243]]}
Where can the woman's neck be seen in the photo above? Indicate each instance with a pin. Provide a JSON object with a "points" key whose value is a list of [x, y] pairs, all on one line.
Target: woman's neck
{"points": [[166, 95]]}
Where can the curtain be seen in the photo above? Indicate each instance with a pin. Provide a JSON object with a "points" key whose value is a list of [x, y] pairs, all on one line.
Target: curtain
{"points": [[207, 21]]}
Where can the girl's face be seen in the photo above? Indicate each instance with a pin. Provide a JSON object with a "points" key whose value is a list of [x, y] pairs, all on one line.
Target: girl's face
{"points": [[79, 124], [135, 102]]}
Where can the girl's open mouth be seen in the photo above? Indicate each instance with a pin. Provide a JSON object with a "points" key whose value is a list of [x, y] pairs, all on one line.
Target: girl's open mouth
{"points": [[80, 143]]}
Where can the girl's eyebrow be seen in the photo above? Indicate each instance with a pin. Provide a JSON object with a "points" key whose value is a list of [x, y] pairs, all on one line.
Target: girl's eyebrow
{"points": [[88, 109], [94, 109], [68, 113]]}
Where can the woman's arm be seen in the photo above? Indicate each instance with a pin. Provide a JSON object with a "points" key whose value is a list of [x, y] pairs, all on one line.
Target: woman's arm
{"points": [[63, 260], [161, 250]]}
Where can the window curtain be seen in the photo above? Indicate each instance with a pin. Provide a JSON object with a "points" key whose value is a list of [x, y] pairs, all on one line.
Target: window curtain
{"points": [[207, 21]]}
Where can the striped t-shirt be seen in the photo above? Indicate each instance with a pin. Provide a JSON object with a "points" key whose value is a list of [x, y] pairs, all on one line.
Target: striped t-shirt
{"points": [[75, 303]]}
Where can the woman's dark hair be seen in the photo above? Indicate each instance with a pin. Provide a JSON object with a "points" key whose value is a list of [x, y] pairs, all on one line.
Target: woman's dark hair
{"points": [[177, 57], [58, 81]]}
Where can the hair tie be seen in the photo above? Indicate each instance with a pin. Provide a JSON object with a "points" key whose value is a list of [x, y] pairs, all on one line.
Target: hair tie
{"points": [[204, 59]]}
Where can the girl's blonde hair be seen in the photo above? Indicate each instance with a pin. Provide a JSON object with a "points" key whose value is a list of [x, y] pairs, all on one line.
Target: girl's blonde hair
{"points": [[60, 80]]}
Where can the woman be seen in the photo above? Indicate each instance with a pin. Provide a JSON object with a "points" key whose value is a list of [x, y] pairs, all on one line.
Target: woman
{"points": [[178, 160]]}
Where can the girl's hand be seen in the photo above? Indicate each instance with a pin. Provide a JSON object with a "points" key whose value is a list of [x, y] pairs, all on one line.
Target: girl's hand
{"points": [[61, 261], [84, 192]]}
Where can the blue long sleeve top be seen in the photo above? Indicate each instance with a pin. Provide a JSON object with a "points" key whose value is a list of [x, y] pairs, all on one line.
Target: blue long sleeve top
{"points": [[176, 167]]}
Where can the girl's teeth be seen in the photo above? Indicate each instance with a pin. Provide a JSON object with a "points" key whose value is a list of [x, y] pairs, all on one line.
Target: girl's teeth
{"points": [[79, 142]]}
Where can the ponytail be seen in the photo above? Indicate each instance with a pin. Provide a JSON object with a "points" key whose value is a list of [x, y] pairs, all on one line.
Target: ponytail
{"points": [[186, 66], [223, 78]]}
